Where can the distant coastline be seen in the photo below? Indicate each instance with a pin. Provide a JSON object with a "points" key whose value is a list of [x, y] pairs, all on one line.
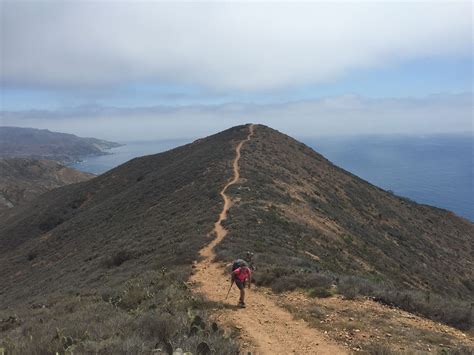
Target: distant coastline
{"points": [[19, 142], [105, 151]]}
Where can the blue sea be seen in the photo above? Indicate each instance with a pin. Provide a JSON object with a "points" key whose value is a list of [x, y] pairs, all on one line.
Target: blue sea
{"points": [[434, 170], [100, 164]]}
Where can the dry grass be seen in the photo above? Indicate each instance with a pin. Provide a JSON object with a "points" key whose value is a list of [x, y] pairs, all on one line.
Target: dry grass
{"points": [[155, 311]]}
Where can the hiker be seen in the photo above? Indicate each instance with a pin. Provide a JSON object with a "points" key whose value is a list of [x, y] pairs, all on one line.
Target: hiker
{"points": [[241, 274]]}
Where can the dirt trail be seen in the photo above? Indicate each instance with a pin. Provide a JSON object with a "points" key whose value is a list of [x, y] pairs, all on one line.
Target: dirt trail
{"points": [[265, 327]]}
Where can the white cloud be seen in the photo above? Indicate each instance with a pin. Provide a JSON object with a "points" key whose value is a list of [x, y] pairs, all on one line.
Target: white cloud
{"points": [[331, 116], [223, 46]]}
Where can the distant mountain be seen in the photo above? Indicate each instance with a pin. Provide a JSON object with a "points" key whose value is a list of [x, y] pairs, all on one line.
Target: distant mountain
{"points": [[16, 142], [306, 220], [22, 180]]}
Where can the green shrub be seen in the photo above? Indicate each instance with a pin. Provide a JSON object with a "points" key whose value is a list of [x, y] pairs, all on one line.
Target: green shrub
{"points": [[455, 313], [353, 287], [287, 279], [447, 310], [119, 258], [320, 292], [135, 293], [158, 326], [146, 313]]}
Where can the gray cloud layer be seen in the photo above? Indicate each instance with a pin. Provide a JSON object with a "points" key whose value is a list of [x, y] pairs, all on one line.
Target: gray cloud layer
{"points": [[330, 116], [224, 46]]}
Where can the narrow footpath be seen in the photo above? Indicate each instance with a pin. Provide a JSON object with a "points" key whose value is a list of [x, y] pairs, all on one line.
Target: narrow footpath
{"points": [[265, 328]]}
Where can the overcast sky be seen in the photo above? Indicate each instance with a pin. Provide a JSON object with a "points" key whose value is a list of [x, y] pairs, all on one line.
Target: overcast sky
{"points": [[144, 70]]}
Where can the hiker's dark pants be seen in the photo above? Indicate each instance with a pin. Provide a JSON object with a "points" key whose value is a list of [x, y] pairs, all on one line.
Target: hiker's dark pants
{"points": [[241, 286]]}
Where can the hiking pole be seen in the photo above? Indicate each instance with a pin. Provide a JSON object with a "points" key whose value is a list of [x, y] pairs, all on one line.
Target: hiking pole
{"points": [[231, 284]]}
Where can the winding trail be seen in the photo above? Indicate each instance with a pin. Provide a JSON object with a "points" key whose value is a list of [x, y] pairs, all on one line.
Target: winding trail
{"points": [[219, 230], [265, 328]]}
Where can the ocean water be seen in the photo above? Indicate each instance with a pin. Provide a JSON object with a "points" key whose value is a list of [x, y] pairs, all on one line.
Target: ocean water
{"points": [[434, 170], [100, 164]]}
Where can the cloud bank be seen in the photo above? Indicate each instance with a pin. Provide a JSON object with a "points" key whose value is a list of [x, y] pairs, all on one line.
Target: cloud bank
{"points": [[344, 115], [219, 45]]}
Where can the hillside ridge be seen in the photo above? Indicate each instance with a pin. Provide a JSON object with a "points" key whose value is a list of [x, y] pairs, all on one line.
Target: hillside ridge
{"points": [[22, 180], [19, 142], [307, 208], [267, 327]]}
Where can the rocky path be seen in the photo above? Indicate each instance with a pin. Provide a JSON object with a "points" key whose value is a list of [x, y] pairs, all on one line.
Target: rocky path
{"points": [[265, 328]]}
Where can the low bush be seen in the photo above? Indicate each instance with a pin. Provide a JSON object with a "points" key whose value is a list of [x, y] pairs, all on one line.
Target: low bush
{"points": [[160, 327], [380, 349], [118, 258], [32, 255], [281, 279], [316, 311], [456, 313], [353, 287], [155, 311], [134, 294], [320, 292], [49, 223]]}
